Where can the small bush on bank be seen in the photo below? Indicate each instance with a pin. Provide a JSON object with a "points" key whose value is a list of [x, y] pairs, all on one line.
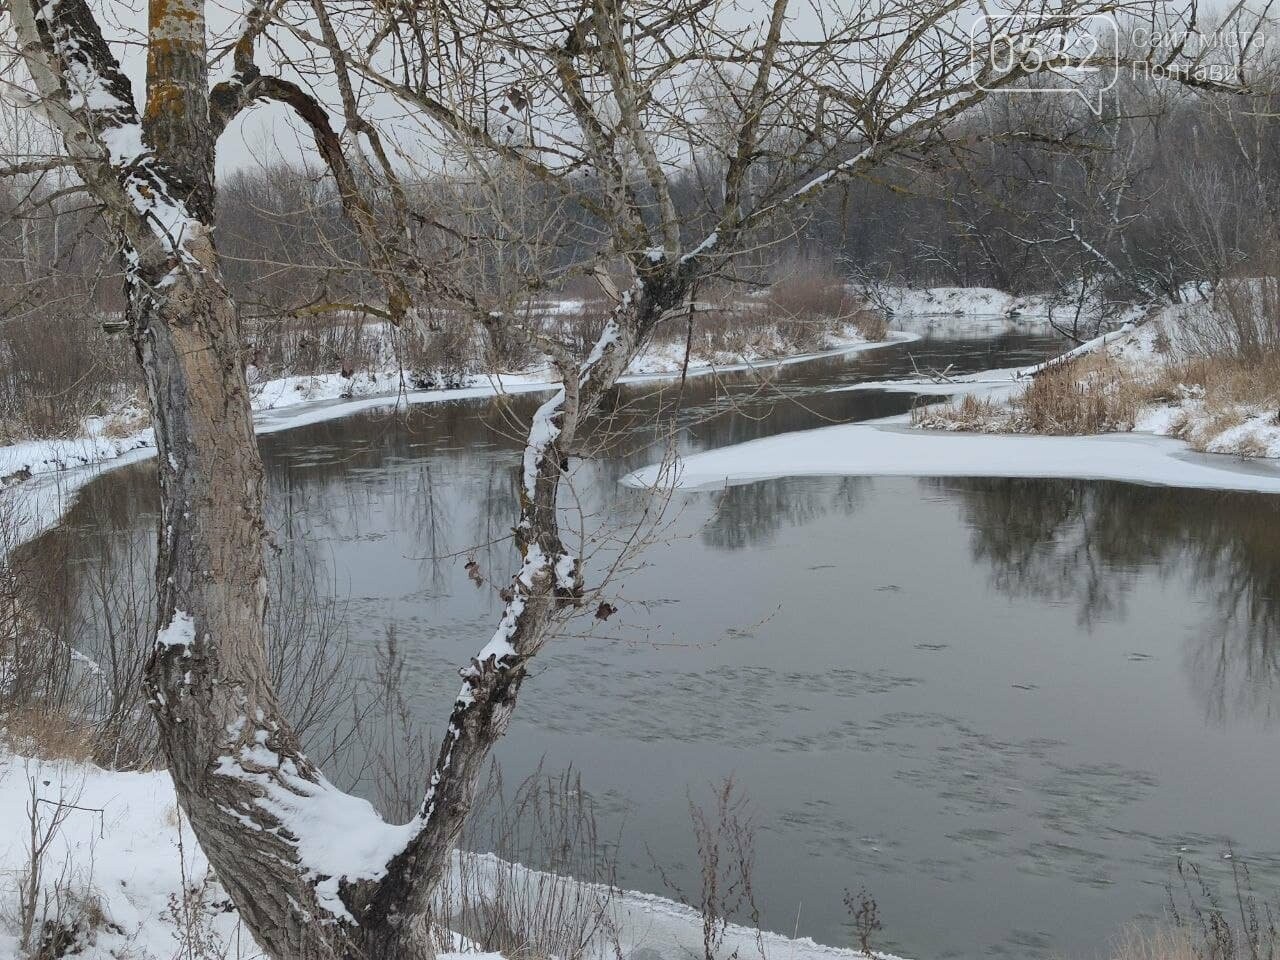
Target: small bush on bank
{"points": [[1089, 395], [1242, 320], [56, 369], [812, 302], [970, 413], [1223, 380]]}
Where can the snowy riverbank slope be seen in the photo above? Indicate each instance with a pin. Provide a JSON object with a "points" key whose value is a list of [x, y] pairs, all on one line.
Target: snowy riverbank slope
{"points": [[1182, 439], [121, 859], [1154, 377], [978, 303]]}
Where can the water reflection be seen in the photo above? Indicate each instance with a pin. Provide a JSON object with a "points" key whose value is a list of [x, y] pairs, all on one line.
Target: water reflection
{"points": [[750, 515], [1089, 544]]}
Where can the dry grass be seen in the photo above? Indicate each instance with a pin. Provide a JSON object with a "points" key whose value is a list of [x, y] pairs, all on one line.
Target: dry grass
{"points": [[1155, 943], [1218, 393], [812, 299], [527, 902], [56, 368], [1225, 380], [48, 733], [439, 351], [1242, 321], [970, 413], [1091, 394], [1096, 393]]}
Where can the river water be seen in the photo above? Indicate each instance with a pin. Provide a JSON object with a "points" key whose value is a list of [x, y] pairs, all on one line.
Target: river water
{"points": [[1004, 707]]}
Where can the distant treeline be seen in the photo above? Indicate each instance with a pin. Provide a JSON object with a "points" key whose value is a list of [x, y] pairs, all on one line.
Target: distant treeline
{"points": [[1030, 192]]}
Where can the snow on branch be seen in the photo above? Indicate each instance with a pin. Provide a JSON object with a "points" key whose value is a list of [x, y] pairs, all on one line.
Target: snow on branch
{"points": [[90, 100], [336, 836]]}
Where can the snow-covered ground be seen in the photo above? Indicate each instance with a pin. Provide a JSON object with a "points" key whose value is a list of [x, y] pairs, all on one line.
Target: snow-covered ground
{"points": [[984, 303], [951, 301], [119, 855], [1151, 453]]}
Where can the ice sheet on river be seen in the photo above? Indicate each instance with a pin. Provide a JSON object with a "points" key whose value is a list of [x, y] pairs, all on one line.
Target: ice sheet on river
{"points": [[893, 449]]}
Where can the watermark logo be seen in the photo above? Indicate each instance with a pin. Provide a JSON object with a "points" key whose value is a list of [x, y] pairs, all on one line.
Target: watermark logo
{"points": [[1077, 55]]}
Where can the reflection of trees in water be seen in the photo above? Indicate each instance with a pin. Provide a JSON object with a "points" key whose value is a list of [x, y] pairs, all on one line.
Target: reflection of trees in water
{"points": [[89, 583], [750, 515], [1087, 542]]}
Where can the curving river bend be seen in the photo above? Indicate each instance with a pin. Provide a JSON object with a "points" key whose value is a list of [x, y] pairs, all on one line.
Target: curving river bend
{"points": [[1005, 707]]}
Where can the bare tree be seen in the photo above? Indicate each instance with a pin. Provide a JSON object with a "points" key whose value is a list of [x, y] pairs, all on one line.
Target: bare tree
{"points": [[595, 101]]}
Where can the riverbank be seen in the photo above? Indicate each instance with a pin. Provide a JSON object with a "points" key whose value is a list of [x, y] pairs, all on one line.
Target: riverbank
{"points": [[1137, 405], [121, 875], [42, 477], [1186, 372]]}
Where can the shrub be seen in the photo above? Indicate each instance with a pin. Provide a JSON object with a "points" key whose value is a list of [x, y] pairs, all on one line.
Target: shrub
{"points": [[1242, 320], [56, 368], [1091, 394], [813, 302], [970, 412]]}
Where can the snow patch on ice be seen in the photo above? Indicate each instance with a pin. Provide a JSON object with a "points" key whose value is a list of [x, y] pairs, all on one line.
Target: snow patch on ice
{"points": [[890, 448]]}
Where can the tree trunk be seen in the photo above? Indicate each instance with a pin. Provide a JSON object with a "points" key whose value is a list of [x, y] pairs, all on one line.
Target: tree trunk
{"points": [[207, 677]]}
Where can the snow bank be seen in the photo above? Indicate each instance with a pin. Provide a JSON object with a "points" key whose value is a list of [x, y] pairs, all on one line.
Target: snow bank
{"points": [[973, 302], [892, 449], [122, 848], [119, 853], [944, 301], [972, 310]]}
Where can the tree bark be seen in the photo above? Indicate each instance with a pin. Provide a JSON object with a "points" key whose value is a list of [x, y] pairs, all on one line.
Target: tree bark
{"points": [[207, 677]]}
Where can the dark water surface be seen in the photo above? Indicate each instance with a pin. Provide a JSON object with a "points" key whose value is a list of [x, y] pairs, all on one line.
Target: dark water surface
{"points": [[1002, 706]]}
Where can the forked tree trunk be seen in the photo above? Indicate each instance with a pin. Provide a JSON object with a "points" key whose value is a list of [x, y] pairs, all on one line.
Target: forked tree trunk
{"points": [[207, 676], [269, 823]]}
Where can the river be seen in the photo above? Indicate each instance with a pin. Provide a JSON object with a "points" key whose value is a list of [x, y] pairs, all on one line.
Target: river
{"points": [[1004, 707]]}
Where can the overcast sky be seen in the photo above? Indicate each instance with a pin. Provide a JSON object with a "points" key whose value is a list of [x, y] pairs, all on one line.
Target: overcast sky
{"points": [[269, 133]]}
